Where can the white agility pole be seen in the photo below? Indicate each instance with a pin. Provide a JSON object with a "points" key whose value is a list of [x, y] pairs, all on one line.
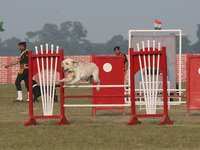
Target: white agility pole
{"points": [[153, 81], [54, 80], [144, 89], [149, 79], [43, 83], [158, 64], [51, 74], [40, 80], [157, 75], [47, 76], [146, 81]]}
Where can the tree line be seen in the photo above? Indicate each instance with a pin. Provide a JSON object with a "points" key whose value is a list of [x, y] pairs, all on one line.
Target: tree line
{"points": [[72, 38]]}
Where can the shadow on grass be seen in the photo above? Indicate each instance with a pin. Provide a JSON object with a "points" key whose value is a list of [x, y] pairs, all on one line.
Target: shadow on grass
{"points": [[111, 114], [195, 114]]}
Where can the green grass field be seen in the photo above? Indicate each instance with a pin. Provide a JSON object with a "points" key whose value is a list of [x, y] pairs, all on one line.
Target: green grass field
{"points": [[106, 131]]}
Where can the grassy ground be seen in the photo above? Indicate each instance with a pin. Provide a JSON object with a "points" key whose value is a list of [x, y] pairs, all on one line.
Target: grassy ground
{"points": [[107, 130]]}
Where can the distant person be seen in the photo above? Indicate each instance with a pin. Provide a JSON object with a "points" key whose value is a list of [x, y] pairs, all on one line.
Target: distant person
{"points": [[118, 53], [23, 72]]}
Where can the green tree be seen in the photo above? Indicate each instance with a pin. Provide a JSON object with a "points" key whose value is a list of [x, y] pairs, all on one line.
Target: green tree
{"points": [[107, 48], [196, 46], [70, 36], [117, 40], [10, 48], [73, 31], [48, 33], [198, 31], [186, 47]]}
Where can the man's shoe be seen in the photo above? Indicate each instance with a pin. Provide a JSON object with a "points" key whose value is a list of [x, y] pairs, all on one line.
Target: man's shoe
{"points": [[17, 100], [27, 100]]}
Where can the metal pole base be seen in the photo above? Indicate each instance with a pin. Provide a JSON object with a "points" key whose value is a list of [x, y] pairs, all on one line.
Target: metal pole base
{"points": [[62, 121], [133, 121], [30, 122], [166, 121]]}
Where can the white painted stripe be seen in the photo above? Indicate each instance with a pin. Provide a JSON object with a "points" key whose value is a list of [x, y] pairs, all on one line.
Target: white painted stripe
{"points": [[94, 86], [96, 105]]}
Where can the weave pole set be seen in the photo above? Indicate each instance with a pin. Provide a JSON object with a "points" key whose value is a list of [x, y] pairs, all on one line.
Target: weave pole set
{"points": [[46, 63], [150, 86], [145, 59]]}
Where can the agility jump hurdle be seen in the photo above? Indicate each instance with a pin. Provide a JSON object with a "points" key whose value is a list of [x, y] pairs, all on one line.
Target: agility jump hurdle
{"points": [[144, 60], [49, 61], [111, 95]]}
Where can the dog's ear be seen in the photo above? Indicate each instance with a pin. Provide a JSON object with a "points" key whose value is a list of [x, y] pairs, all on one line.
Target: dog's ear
{"points": [[75, 64]]}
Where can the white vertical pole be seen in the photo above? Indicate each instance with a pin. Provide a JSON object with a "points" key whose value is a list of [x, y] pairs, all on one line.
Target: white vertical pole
{"points": [[149, 68], [154, 99], [144, 89], [39, 73], [47, 75], [45, 107], [57, 48], [180, 53], [158, 64], [51, 74], [129, 79], [145, 71]]}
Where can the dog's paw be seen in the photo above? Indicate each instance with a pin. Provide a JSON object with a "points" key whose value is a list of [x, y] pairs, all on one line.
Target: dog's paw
{"points": [[70, 83], [98, 88]]}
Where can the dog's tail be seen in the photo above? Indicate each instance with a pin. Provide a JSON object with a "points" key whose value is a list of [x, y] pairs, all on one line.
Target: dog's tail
{"points": [[95, 75], [98, 88]]}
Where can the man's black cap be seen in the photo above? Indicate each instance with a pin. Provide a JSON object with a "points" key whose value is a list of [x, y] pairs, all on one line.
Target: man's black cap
{"points": [[116, 48], [22, 43]]}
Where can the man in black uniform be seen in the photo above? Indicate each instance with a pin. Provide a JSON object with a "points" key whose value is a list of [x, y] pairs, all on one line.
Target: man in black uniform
{"points": [[118, 52], [23, 72]]}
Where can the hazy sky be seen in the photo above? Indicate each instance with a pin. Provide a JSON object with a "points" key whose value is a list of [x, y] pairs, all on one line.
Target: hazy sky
{"points": [[102, 18]]}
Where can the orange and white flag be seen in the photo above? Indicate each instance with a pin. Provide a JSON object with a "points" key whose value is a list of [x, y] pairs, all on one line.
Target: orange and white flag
{"points": [[157, 25]]}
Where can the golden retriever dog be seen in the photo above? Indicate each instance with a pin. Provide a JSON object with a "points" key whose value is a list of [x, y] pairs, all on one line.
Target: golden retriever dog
{"points": [[77, 71]]}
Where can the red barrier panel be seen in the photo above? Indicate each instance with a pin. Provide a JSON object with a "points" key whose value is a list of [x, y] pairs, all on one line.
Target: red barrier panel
{"points": [[193, 82], [111, 72]]}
